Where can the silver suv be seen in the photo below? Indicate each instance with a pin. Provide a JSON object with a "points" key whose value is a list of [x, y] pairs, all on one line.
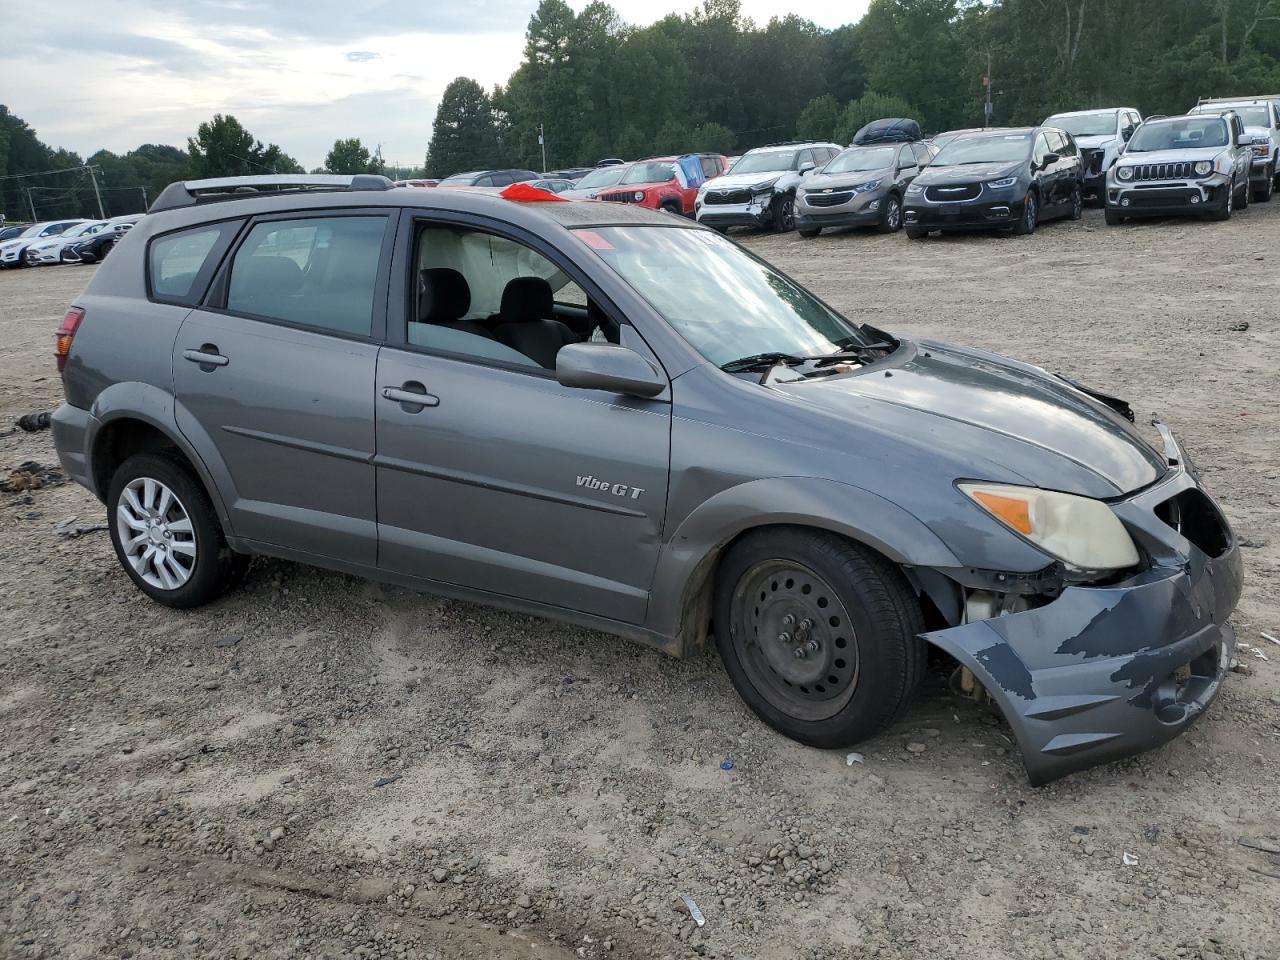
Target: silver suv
{"points": [[1178, 165], [1261, 118], [615, 417], [759, 190]]}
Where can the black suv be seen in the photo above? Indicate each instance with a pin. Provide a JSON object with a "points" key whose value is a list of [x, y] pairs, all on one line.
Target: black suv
{"points": [[997, 179]]}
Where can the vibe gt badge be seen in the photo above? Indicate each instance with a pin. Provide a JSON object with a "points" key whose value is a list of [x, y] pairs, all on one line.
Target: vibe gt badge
{"points": [[617, 489]]}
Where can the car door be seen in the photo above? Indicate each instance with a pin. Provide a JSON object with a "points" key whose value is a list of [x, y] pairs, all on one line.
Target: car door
{"points": [[275, 372], [501, 479], [1043, 174]]}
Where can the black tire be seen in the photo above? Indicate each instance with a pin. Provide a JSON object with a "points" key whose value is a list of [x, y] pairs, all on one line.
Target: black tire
{"points": [[1026, 224], [216, 568], [1114, 218], [1077, 203], [1263, 193], [916, 234], [867, 663], [891, 215], [1246, 194], [809, 232], [784, 213], [1228, 205], [672, 208]]}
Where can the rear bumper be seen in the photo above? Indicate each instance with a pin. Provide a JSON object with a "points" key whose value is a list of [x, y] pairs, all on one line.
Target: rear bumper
{"points": [[71, 428], [1103, 673]]}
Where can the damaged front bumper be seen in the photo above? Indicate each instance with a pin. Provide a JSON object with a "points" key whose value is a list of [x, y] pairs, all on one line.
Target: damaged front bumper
{"points": [[1105, 672]]}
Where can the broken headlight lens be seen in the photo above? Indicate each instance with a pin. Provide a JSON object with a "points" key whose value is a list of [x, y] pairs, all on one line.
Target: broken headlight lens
{"points": [[1082, 532]]}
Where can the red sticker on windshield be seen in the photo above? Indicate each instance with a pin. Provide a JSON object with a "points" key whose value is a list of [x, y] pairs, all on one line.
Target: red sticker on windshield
{"points": [[594, 240]]}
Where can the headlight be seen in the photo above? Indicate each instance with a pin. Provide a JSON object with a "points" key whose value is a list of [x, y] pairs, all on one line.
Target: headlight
{"points": [[762, 187], [638, 196], [865, 187], [1124, 173], [1001, 184], [1203, 168], [1080, 531], [914, 190]]}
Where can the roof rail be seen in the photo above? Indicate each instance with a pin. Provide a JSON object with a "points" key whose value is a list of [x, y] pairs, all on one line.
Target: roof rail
{"points": [[790, 143], [190, 192]]}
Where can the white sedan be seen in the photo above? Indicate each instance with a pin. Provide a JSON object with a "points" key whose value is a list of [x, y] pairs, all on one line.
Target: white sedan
{"points": [[49, 250]]}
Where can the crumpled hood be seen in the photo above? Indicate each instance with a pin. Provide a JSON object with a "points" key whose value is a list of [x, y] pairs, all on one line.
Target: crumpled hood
{"points": [[737, 181], [1096, 143], [818, 182], [969, 172], [983, 409]]}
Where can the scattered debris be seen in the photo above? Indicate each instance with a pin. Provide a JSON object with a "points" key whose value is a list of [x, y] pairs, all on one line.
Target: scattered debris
{"points": [[853, 758], [31, 476], [387, 781], [1129, 859], [33, 422], [228, 641], [727, 765], [1152, 833], [1240, 667], [1267, 636], [916, 747], [1261, 845], [72, 527], [698, 917], [1240, 327]]}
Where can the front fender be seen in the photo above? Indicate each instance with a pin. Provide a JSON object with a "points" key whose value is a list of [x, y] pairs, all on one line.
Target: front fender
{"points": [[134, 400], [688, 557]]}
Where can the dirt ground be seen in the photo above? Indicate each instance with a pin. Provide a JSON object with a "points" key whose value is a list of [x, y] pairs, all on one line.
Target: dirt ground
{"points": [[215, 783]]}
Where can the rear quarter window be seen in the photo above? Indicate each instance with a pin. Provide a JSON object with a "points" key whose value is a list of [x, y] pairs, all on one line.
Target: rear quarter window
{"points": [[180, 264]]}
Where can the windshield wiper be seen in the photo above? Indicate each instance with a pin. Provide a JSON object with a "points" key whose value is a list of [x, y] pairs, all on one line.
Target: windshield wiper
{"points": [[761, 361], [849, 350]]}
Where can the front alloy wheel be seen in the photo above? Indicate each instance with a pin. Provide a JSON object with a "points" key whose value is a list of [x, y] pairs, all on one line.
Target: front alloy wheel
{"points": [[1030, 216], [891, 219], [1077, 204], [785, 215]]}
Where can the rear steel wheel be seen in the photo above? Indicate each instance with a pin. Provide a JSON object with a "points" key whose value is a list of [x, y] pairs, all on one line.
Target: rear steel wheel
{"points": [[795, 639]]}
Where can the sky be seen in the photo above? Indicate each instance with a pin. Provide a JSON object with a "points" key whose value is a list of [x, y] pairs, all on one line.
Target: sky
{"points": [[88, 74]]}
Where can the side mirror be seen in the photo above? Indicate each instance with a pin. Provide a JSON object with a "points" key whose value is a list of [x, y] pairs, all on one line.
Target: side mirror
{"points": [[1244, 140], [1126, 133], [807, 168], [603, 366], [1049, 160]]}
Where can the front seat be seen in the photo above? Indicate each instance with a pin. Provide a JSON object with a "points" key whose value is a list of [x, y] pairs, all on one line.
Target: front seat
{"points": [[526, 321], [444, 299]]}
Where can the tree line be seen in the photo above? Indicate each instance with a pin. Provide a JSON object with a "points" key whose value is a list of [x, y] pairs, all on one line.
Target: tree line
{"points": [[596, 87], [714, 80]]}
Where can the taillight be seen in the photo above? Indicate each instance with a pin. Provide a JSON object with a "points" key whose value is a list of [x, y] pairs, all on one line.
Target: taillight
{"points": [[66, 332]]}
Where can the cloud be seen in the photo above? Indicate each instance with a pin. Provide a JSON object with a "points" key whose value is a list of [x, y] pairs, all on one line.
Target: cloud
{"points": [[361, 56]]}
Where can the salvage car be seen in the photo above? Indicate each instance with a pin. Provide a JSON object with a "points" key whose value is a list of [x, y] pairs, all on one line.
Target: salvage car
{"points": [[863, 186], [590, 186], [1182, 165], [95, 248], [1100, 136], [997, 179], [666, 183], [760, 189], [622, 420], [12, 252], [1261, 119]]}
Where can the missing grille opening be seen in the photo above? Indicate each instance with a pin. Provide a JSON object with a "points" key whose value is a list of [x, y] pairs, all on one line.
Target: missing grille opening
{"points": [[1194, 516]]}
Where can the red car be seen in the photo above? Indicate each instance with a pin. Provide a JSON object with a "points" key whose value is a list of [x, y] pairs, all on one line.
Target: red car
{"points": [[653, 183]]}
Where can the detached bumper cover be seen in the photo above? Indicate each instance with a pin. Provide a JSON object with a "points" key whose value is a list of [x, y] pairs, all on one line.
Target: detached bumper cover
{"points": [[1103, 673], [70, 426], [751, 214]]}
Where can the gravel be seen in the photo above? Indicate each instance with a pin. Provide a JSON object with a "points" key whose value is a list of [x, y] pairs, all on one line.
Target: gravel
{"points": [[165, 793]]}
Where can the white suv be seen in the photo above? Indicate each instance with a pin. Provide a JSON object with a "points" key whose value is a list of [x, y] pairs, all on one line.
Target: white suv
{"points": [[1261, 118], [1100, 135]]}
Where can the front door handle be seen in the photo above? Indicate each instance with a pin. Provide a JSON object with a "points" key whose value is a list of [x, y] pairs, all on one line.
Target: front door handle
{"points": [[207, 356], [411, 394]]}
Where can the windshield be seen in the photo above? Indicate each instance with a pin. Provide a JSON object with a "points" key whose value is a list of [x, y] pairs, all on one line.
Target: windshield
{"points": [[766, 161], [32, 231], [1253, 115], [1086, 124], [604, 177], [724, 302], [462, 178], [861, 158], [83, 229], [658, 171], [999, 148], [1182, 134]]}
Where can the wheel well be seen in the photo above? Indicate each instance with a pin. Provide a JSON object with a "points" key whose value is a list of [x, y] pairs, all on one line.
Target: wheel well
{"points": [[121, 439], [698, 604]]}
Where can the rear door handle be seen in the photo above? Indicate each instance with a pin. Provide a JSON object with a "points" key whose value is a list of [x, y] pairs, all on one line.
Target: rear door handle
{"points": [[206, 355], [411, 397]]}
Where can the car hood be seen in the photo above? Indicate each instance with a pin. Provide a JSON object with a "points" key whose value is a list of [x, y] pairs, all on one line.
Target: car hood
{"points": [[736, 181], [1174, 156], [836, 181], [982, 408], [16, 242], [1094, 143], [969, 172]]}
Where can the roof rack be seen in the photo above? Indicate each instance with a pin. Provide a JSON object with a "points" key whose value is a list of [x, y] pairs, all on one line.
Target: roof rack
{"points": [[190, 192], [789, 143]]}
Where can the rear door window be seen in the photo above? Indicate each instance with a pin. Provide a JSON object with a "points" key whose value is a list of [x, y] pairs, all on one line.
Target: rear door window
{"points": [[180, 264], [317, 272]]}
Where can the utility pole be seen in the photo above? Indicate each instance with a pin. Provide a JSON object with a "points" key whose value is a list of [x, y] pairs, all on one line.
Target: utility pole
{"points": [[987, 110], [145, 202], [542, 142], [32, 203], [101, 213]]}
